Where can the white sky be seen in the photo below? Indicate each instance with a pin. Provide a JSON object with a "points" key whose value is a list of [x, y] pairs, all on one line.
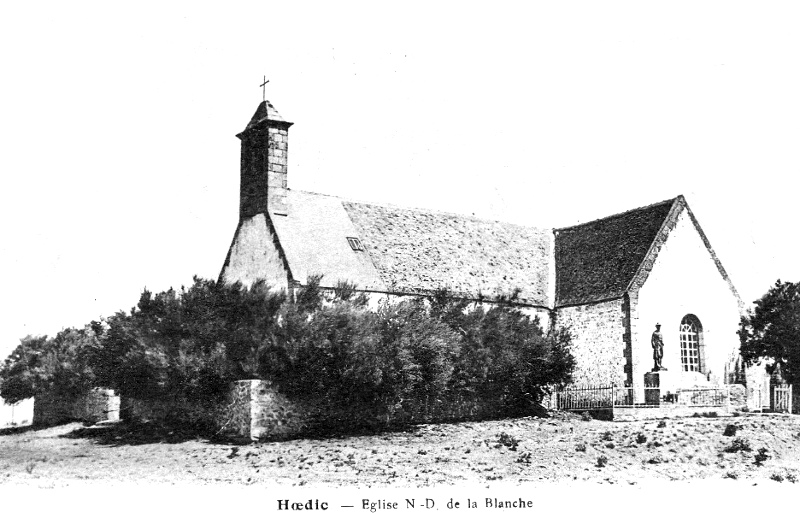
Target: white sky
{"points": [[120, 167]]}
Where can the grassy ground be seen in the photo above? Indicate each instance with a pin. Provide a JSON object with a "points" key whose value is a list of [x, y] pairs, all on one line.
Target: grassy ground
{"points": [[561, 449]]}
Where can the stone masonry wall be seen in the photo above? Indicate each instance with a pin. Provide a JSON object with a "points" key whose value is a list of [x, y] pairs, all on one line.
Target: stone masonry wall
{"points": [[97, 405], [255, 410], [277, 157], [264, 160], [598, 341]]}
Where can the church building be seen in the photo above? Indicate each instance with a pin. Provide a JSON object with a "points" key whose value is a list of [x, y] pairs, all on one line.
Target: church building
{"points": [[608, 281]]}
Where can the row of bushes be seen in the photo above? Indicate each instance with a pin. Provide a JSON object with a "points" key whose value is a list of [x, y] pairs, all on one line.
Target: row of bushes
{"points": [[327, 347]]}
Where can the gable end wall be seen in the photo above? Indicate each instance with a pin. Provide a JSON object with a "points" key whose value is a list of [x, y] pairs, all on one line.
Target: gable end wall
{"points": [[683, 278], [255, 254]]}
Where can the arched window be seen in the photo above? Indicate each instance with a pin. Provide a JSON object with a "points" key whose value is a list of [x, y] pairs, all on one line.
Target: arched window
{"points": [[692, 357]]}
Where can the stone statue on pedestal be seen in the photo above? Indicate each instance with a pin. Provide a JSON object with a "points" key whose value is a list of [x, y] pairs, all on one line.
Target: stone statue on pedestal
{"points": [[657, 341]]}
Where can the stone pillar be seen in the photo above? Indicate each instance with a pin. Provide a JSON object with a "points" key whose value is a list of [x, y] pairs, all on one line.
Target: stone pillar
{"points": [[658, 384], [257, 411]]}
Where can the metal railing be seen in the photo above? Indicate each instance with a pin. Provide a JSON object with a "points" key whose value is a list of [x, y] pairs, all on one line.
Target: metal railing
{"points": [[590, 397]]}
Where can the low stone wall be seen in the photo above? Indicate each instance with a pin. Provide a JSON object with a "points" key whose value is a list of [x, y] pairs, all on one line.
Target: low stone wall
{"points": [[97, 405], [206, 416], [255, 410]]}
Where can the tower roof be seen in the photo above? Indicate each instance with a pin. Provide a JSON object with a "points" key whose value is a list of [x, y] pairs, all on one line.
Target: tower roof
{"points": [[266, 112]]}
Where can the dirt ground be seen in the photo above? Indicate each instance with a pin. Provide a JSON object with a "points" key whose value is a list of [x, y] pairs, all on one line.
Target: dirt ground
{"points": [[560, 449]]}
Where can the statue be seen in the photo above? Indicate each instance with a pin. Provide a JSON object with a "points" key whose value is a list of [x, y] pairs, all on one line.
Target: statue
{"points": [[657, 341]]}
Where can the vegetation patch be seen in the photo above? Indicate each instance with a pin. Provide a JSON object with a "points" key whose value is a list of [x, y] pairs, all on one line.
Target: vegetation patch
{"points": [[417, 360], [730, 430], [506, 440], [761, 456], [739, 445]]}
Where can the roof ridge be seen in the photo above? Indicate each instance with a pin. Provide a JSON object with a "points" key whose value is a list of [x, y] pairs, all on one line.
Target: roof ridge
{"points": [[423, 210], [620, 214]]}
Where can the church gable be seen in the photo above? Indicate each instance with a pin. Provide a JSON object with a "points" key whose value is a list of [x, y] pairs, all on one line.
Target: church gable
{"points": [[596, 261], [255, 255], [680, 211], [682, 286], [418, 251]]}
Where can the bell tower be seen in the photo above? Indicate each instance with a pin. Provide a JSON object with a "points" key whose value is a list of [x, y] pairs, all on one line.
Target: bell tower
{"points": [[265, 144]]}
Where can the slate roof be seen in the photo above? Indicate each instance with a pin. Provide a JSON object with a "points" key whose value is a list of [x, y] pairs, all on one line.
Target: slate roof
{"points": [[412, 251], [596, 261], [265, 111], [419, 251]]}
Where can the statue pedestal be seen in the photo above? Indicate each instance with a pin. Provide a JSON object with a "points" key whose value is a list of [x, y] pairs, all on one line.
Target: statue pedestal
{"points": [[660, 385]]}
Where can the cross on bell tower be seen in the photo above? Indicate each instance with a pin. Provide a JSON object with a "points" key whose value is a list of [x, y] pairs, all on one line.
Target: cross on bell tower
{"points": [[264, 89]]}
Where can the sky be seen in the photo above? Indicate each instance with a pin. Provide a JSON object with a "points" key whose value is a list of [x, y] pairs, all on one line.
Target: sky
{"points": [[120, 165]]}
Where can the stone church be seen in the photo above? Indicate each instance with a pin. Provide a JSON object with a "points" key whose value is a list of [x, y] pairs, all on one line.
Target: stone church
{"points": [[609, 281]]}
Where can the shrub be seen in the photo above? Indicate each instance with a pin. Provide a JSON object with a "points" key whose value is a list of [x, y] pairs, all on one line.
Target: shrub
{"points": [[60, 364], [607, 436], [505, 354], [345, 356], [504, 439], [739, 445], [662, 424], [524, 458], [761, 456], [640, 438], [580, 447], [730, 430], [602, 460], [776, 477], [586, 416]]}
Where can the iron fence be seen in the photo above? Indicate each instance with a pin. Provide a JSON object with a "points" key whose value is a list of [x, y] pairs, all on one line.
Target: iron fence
{"points": [[592, 397]]}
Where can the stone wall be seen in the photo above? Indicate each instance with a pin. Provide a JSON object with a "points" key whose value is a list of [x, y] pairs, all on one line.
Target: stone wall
{"points": [[255, 410], [97, 405], [598, 343], [264, 158], [205, 417]]}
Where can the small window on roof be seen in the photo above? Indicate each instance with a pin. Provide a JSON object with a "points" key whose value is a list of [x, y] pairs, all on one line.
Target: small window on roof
{"points": [[355, 244]]}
